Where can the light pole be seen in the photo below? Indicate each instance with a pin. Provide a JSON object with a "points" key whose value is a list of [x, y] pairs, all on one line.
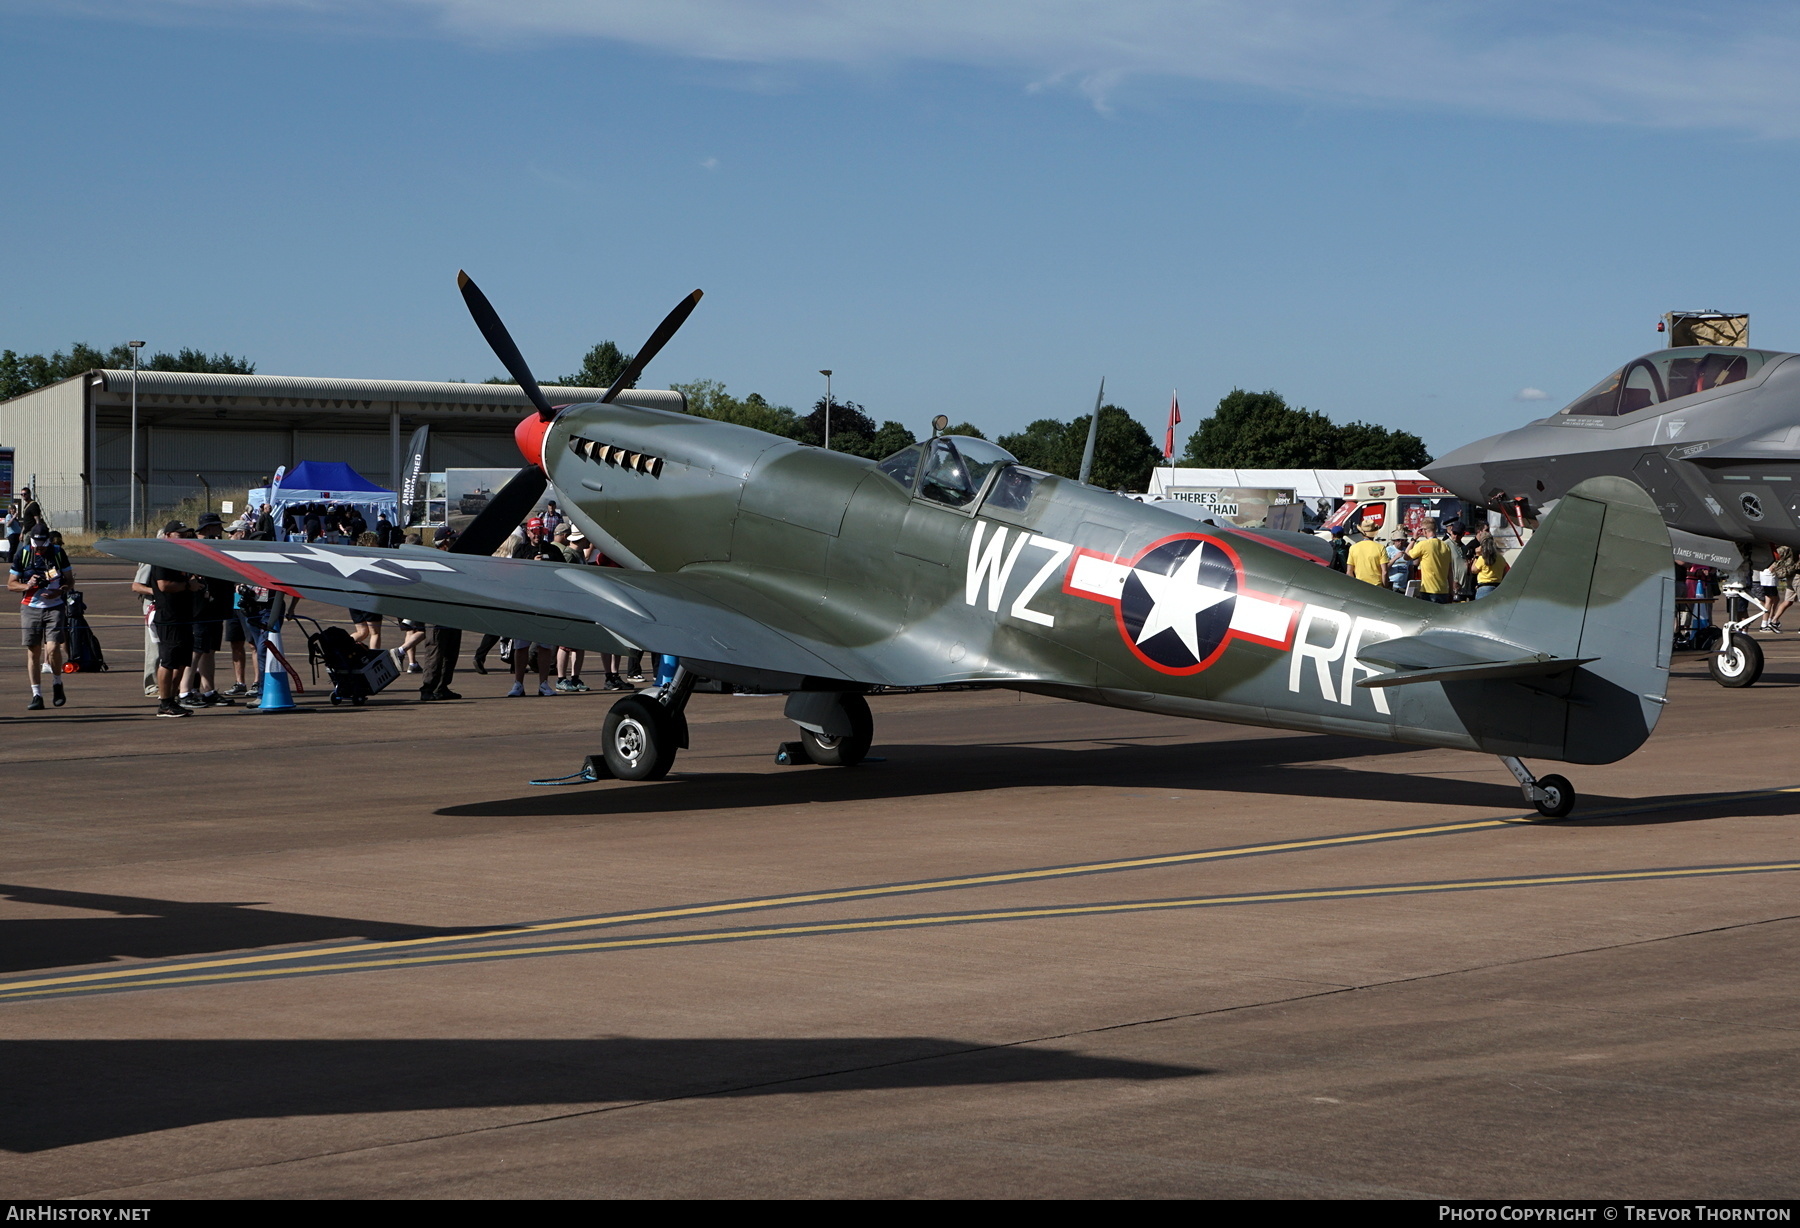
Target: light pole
{"points": [[131, 477], [826, 372]]}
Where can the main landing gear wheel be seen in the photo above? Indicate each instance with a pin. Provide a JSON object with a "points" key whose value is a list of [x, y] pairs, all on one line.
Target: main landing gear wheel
{"points": [[1558, 799], [1739, 665], [640, 739], [849, 749]]}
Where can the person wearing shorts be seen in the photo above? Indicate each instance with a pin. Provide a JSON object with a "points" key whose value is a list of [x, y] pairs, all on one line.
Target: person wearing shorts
{"points": [[177, 602], [546, 659], [212, 609], [41, 571]]}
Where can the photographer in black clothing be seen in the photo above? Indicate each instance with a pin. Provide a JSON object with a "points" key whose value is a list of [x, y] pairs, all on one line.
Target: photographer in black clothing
{"points": [[176, 605], [442, 645], [212, 608]]}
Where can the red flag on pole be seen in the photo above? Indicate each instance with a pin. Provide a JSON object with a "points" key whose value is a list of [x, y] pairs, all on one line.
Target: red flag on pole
{"points": [[1174, 417]]}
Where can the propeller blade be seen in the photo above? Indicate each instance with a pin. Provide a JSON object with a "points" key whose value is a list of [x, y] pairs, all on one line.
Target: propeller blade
{"points": [[673, 321], [510, 505], [501, 342]]}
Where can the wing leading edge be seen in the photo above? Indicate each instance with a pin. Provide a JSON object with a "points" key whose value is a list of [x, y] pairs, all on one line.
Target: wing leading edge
{"points": [[597, 608]]}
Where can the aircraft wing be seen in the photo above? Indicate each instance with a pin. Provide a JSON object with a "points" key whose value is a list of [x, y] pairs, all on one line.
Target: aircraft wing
{"points": [[602, 609]]}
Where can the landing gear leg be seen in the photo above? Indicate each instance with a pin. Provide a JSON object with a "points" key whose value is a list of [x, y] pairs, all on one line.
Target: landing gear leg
{"points": [[643, 731], [836, 728], [1552, 796], [1739, 660]]}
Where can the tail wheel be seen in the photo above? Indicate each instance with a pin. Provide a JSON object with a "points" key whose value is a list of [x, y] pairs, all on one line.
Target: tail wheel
{"points": [[849, 749], [639, 739], [1739, 665], [1559, 797]]}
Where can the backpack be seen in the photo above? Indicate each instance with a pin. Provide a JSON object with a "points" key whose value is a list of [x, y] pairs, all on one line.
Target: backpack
{"points": [[84, 650]]}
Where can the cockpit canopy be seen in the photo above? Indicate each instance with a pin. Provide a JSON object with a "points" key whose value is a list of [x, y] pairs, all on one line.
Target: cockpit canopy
{"points": [[1666, 375], [953, 469]]}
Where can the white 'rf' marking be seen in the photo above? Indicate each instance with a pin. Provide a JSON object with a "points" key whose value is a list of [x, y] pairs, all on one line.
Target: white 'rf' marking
{"points": [[993, 568], [1348, 635]]}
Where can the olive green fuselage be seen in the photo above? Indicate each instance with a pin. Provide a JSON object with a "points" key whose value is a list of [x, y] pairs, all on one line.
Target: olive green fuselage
{"points": [[1028, 596]]}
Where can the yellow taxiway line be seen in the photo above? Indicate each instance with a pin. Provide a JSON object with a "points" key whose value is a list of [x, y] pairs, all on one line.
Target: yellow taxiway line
{"points": [[149, 978], [873, 891]]}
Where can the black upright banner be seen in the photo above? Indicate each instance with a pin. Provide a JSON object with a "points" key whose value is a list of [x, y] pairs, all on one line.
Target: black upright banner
{"points": [[412, 479]]}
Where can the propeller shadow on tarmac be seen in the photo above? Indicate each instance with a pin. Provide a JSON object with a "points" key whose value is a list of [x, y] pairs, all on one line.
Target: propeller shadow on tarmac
{"points": [[1289, 766], [142, 928], [59, 1093]]}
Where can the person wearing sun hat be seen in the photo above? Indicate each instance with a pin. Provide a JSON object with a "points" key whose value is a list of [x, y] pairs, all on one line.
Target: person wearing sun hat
{"points": [[1368, 557]]}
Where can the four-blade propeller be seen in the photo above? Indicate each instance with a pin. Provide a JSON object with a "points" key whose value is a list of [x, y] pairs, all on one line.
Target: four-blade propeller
{"points": [[514, 500]]}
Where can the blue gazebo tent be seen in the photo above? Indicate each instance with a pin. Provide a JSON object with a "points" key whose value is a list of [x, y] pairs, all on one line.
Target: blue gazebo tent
{"points": [[327, 482]]}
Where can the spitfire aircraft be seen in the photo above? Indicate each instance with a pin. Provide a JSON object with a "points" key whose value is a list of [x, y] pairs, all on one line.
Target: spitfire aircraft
{"points": [[1711, 432], [760, 561]]}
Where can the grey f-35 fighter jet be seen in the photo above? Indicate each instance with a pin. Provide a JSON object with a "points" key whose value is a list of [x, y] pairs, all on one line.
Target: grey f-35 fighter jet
{"points": [[759, 560], [1712, 433]]}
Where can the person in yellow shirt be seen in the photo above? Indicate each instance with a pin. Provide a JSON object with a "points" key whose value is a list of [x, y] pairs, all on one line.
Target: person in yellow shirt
{"points": [[1368, 557], [1489, 563], [1432, 554]]}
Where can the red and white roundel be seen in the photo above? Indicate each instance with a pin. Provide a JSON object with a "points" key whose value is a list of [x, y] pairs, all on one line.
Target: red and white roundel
{"points": [[1181, 601]]}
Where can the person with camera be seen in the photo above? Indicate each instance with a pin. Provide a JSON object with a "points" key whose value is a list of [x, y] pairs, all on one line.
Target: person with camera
{"points": [[41, 571], [212, 610], [177, 606]]}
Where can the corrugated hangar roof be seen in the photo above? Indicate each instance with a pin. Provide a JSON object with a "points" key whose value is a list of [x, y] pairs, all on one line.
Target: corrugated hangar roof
{"points": [[303, 387]]}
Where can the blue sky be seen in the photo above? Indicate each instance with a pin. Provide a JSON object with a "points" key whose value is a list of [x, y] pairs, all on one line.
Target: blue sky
{"points": [[1390, 211]]}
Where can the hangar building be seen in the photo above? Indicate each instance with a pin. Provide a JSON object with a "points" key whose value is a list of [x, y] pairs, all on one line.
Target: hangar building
{"points": [[73, 437]]}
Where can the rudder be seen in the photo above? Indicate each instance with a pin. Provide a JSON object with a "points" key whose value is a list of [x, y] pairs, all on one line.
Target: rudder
{"points": [[1595, 581]]}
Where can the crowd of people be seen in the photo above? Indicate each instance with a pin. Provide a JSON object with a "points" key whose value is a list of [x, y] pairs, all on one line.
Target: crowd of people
{"points": [[1456, 564], [552, 537], [190, 619]]}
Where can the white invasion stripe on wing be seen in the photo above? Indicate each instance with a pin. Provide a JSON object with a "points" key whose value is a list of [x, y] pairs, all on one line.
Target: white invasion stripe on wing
{"points": [[1093, 576], [1266, 620], [418, 565], [258, 556]]}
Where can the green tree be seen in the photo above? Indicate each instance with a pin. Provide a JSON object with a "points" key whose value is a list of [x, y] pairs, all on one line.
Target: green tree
{"points": [[1124, 453], [707, 398], [965, 428], [1042, 445], [22, 373], [193, 361], [1365, 446], [890, 439], [600, 368], [852, 430], [1260, 430]]}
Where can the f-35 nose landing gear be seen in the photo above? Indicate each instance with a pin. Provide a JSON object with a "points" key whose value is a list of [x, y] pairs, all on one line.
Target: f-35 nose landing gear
{"points": [[1552, 796], [643, 731]]}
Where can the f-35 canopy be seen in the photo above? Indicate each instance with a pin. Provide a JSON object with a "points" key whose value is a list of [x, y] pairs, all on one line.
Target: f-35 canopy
{"points": [[1667, 375]]}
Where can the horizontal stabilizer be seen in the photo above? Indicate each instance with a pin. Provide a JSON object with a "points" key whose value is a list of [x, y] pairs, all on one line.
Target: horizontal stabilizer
{"points": [[1454, 656]]}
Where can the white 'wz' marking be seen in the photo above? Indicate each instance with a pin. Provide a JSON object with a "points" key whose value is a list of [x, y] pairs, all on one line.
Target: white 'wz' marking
{"points": [[994, 567]]}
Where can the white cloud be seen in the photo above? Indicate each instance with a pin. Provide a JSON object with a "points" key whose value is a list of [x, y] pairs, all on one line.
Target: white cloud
{"points": [[1531, 394], [1655, 63], [711, 164]]}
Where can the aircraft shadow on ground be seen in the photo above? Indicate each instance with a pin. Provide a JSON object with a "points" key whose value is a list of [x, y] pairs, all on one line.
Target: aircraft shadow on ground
{"points": [[58, 1093], [1285, 765], [159, 929]]}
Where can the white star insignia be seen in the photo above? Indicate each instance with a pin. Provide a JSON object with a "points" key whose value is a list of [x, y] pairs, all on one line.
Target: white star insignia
{"points": [[344, 564], [1178, 601]]}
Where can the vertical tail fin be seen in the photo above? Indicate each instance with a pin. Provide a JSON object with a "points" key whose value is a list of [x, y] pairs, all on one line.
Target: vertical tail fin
{"points": [[1596, 581]]}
